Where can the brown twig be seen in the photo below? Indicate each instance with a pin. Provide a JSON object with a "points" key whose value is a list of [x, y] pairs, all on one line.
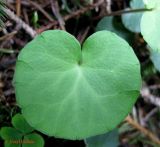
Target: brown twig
{"points": [[55, 10], [82, 35], [72, 15], [150, 114], [8, 36], [83, 10], [108, 7], [41, 10], [146, 94], [18, 7], [143, 130], [20, 22], [157, 86], [88, 8], [25, 16]]}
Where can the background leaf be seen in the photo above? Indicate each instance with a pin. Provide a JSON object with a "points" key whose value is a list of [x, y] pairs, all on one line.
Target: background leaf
{"points": [[155, 57], [152, 4], [115, 25], [110, 139], [132, 20], [150, 28]]}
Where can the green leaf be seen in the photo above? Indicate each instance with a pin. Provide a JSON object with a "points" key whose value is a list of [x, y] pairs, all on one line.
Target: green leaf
{"points": [[106, 23], [109, 139], [113, 24], [150, 26], [33, 140], [10, 133], [152, 4], [12, 144], [135, 4], [11, 136], [132, 20], [72, 93], [150, 30], [155, 57], [20, 123]]}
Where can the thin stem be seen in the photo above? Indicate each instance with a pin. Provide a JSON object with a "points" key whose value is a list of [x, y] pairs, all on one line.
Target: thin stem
{"points": [[120, 12], [7, 51]]}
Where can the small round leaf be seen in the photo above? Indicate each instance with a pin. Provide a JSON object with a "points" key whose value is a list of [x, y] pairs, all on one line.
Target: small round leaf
{"points": [[33, 140], [9, 133], [72, 93], [12, 143], [20, 123]]}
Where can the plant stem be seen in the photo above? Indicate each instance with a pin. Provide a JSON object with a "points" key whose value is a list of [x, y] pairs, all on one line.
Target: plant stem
{"points": [[120, 12], [146, 132], [7, 51]]}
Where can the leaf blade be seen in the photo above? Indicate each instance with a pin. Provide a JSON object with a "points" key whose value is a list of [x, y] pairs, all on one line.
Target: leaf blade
{"points": [[80, 90]]}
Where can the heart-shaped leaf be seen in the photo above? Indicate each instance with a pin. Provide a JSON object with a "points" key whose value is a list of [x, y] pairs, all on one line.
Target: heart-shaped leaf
{"points": [[72, 93]]}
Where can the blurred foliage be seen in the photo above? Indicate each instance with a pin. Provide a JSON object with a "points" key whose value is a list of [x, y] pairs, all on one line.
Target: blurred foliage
{"points": [[2, 12]]}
